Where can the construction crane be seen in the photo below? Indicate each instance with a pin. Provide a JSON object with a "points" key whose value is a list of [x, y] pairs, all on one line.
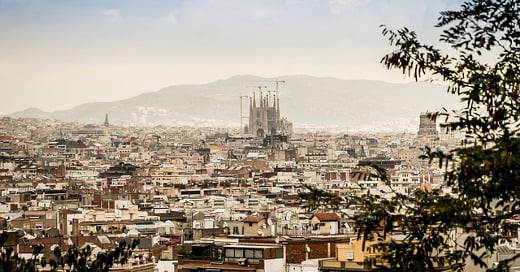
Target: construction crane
{"points": [[241, 113], [276, 81]]}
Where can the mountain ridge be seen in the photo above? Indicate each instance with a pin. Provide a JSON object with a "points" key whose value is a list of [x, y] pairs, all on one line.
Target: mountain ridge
{"points": [[307, 101]]}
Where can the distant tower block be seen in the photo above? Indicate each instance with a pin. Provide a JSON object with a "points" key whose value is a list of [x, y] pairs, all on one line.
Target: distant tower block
{"points": [[106, 124], [427, 126]]}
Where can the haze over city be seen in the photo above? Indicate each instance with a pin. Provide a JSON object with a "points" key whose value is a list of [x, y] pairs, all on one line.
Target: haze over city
{"points": [[60, 54], [260, 136]]}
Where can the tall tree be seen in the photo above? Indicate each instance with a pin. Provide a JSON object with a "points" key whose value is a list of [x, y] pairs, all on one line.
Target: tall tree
{"points": [[444, 231]]}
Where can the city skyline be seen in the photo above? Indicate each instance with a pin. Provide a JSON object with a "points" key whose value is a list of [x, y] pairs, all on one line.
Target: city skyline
{"points": [[62, 54]]}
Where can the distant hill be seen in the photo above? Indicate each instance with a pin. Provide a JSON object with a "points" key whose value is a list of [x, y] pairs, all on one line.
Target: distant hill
{"points": [[309, 102]]}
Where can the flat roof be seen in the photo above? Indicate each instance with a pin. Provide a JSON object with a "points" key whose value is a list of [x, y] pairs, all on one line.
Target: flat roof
{"points": [[217, 266], [253, 246]]}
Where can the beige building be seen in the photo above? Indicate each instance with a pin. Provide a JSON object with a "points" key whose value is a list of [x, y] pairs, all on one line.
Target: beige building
{"points": [[352, 257], [255, 226], [349, 257], [324, 223]]}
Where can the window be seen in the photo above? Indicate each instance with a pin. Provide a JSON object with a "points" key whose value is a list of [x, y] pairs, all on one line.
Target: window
{"points": [[278, 253], [246, 253], [230, 253], [259, 254], [249, 253], [239, 253]]}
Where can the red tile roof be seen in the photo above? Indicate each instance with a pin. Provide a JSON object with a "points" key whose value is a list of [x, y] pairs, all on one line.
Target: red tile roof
{"points": [[6, 138], [327, 216]]}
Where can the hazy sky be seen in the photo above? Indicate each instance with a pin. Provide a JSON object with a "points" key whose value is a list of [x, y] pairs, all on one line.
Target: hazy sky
{"points": [[57, 54]]}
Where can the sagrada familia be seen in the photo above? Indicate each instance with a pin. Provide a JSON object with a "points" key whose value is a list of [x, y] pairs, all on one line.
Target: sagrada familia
{"points": [[264, 117]]}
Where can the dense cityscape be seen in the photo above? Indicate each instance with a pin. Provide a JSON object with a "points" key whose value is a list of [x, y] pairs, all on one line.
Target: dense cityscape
{"points": [[119, 151], [204, 199]]}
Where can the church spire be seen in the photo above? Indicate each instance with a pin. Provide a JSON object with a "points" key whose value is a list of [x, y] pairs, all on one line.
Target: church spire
{"points": [[277, 107]]}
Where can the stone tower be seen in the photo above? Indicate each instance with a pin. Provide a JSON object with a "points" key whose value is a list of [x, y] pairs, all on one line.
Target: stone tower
{"points": [[106, 124], [427, 126], [264, 116]]}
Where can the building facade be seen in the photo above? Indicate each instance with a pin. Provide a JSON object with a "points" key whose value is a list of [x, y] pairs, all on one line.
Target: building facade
{"points": [[427, 126], [264, 117]]}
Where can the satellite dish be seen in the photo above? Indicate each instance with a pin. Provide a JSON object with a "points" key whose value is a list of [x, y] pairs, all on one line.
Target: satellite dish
{"points": [[269, 221], [264, 226]]}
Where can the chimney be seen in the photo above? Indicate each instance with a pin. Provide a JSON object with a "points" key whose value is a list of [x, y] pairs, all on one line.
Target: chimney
{"points": [[75, 227]]}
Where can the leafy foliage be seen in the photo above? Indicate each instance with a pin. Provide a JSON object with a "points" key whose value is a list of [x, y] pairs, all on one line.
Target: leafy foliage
{"points": [[444, 230], [319, 199], [11, 261], [81, 259], [74, 259]]}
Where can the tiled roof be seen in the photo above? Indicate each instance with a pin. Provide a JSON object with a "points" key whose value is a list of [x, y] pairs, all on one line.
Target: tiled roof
{"points": [[327, 216], [6, 138]]}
